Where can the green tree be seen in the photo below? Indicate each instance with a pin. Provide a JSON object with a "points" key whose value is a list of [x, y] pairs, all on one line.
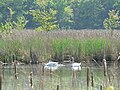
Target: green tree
{"points": [[88, 14], [64, 15], [113, 21], [45, 16]]}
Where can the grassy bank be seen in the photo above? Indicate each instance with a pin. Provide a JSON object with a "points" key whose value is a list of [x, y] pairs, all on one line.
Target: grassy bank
{"points": [[42, 46]]}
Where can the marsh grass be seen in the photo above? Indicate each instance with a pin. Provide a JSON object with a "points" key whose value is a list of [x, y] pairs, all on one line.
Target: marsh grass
{"points": [[56, 44]]}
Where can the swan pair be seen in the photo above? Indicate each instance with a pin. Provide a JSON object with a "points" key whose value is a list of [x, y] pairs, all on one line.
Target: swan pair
{"points": [[54, 65]]}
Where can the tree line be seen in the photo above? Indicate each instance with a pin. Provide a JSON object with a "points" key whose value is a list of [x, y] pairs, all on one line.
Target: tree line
{"points": [[55, 14]]}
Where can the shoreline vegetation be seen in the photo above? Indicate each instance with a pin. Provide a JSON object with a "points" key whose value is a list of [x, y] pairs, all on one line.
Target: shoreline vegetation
{"points": [[29, 47], [84, 45]]}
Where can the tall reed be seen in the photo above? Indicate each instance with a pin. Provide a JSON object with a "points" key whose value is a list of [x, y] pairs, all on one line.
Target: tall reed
{"points": [[0, 83], [56, 43], [88, 78]]}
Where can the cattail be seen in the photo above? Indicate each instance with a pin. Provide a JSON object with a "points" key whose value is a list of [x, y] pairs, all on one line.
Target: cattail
{"points": [[3, 71], [105, 67], [92, 80], [101, 87], [15, 69], [88, 78], [57, 87], [43, 70], [41, 76], [18, 85], [73, 79], [105, 70], [73, 74], [31, 81], [50, 72], [0, 83], [109, 78]]}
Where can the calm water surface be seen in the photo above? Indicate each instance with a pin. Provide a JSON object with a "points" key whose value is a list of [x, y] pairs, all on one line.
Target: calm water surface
{"points": [[63, 78]]}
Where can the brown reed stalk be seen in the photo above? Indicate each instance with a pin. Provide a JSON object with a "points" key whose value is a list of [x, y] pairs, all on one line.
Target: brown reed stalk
{"points": [[92, 80], [0, 83], [88, 78], [51, 72], [57, 87], [43, 70], [18, 85], [15, 69], [42, 76], [109, 78], [31, 81], [73, 79], [105, 70], [51, 76], [3, 71], [101, 88]]}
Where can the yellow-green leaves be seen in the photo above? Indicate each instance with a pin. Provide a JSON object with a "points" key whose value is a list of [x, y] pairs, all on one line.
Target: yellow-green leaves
{"points": [[6, 28], [68, 13], [11, 12], [20, 23], [46, 19], [113, 21]]}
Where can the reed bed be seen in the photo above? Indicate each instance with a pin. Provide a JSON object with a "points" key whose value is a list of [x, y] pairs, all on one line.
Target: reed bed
{"points": [[41, 46]]}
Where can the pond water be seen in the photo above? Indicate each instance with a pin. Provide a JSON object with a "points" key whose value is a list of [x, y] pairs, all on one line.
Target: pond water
{"points": [[62, 79]]}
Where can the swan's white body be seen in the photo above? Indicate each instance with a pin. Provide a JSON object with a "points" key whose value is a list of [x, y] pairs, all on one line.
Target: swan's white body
{"points": [[51, 65], [76, 66]]}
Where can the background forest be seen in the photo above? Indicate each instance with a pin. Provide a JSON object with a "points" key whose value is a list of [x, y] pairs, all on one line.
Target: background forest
{"points": [[55, 14]]}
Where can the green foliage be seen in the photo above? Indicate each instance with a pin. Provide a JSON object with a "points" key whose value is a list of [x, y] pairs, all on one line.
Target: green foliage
{"points": [[6, 28], [113, 21], [20, 23], [11, 12], [66, 14], [45, 17], [10, 24]]}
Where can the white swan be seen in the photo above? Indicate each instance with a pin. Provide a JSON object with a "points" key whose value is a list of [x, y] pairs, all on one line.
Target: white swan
{"points": [[75, 66], [51, 65]]}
